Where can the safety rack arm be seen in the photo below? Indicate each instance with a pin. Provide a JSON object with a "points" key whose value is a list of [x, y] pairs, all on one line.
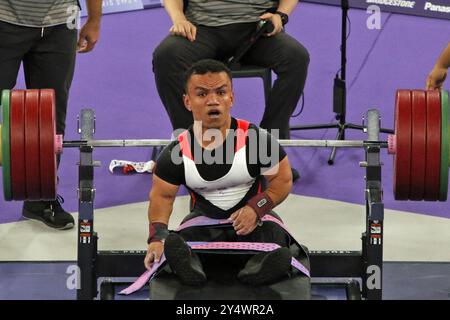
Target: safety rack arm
{"points": [[87, 239], [372, 238]]}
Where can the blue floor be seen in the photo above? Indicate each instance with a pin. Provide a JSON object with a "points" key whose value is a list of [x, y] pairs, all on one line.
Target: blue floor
{"points": [[52, 280]]}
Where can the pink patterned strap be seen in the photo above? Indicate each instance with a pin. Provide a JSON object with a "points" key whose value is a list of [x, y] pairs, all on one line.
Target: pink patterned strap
{"points": [[144, 278], [205, 221], [256, 246], [201, 221]]}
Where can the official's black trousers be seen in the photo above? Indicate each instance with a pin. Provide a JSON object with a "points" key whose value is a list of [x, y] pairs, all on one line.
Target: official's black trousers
{"points": [[282, 53]]}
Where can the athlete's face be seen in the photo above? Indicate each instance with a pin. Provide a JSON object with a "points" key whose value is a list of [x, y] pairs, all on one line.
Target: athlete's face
{"points": [[209, 97]]}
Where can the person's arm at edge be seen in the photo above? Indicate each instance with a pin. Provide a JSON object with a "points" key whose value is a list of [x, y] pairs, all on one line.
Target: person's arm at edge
{"points": [[444, 59], [439, 72]]}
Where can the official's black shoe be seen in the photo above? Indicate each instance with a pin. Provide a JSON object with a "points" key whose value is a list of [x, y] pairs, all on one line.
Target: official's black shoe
{"points": [[183, 261], [266, 267], [295, 175], [49, 212]]}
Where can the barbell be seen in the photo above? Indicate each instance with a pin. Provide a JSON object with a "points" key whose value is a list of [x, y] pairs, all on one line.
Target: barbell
{"points": [[420, 145]]}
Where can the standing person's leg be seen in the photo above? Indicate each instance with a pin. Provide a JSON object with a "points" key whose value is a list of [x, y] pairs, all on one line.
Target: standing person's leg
{"points": [[15, 42], [50, 63], [173, 56], [289, 60]]}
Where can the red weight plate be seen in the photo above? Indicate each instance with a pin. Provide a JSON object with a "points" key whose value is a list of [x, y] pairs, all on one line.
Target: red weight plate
{"points": [[47, 132], [433, 167], [17, 132], [32, 154], [418, 143], [402, 157]]}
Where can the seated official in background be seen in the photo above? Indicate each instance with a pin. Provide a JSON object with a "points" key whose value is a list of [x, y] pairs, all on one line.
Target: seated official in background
{"points": [[215, 30]]}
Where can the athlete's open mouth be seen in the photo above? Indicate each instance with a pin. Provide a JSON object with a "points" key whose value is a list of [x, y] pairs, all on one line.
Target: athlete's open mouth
{"points": [[213, 113]]}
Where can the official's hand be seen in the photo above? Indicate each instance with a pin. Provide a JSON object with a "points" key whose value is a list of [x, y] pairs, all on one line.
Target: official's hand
{"points": [[244, 220], [185, 29], [88, 36], [154, 252], [276, 21], [436, 78]]}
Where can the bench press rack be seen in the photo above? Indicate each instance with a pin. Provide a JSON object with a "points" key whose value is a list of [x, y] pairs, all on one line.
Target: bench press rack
{"points": [[360, 271]]}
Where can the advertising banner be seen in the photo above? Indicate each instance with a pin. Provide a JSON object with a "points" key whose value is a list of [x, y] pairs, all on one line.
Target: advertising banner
{"points": [[427, 8], [113, 6]]}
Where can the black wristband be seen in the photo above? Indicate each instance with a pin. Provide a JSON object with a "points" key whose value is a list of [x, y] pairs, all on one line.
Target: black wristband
{"points": [[157, 232], [261, 203], [284, 17]]}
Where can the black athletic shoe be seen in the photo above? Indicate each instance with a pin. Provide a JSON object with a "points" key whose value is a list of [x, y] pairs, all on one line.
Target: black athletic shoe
{"points": [[49, 212], [295, 175], [183, 261], [266, 267]]}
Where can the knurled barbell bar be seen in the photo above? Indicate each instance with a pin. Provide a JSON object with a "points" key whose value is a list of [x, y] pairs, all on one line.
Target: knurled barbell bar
{"points": [[421, 143]]}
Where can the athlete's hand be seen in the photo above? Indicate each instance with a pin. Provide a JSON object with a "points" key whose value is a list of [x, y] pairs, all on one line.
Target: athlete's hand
{"points": [[185, 29], [154, 252], [244, 220]]}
